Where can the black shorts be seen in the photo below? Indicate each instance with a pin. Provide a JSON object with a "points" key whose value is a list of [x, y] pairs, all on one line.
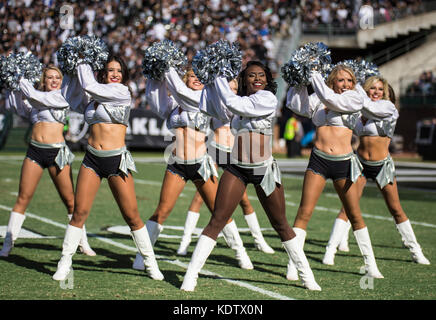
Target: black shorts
{"points": [[329, 169], [220, 157], [104, 167], [371, 172], [185, 171], [247, 175], [42, 156]]}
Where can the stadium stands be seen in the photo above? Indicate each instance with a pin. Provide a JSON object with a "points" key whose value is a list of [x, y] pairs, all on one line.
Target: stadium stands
{"points": [[131, 26]]}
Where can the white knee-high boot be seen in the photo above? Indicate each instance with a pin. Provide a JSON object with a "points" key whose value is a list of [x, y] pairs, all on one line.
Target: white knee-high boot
{"points": [[259, 241], [343, 245], [84, 246], [337, 234], [296, 254], [234, 241], [69, 248], [14, 226], [201, 252], [153, 229], [190, 224], [291, 272], [364, 243], [143, 244], [406, 232]]}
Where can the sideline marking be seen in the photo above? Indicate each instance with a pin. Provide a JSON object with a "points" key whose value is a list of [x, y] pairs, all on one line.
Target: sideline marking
{"points": [[174, 262], [25, 234], [290, 203]]}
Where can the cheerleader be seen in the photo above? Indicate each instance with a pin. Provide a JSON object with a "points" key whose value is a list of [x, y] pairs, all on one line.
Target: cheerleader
{"points": [[106, 104], [375, 129], [188, 159], [334, 109], [254, 110], [47, 110], [219, 149]]}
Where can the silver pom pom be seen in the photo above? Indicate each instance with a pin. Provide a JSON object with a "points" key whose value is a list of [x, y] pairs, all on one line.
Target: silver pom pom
{"points": [[219, 58], [159, 57], [89, 49], [362, 69], [2, 63], [312, 56], [19, 65]]}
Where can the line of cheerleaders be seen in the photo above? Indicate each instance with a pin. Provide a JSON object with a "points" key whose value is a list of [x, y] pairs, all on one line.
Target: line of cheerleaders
{"points": [[236, 119]]}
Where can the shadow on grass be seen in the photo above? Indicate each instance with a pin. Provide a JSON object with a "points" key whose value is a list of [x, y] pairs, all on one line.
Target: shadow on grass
{"points": [[21, 261], [173, 277]]}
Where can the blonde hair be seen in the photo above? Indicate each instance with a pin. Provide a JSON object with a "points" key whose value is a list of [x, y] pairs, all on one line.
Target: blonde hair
{"points": [[43, 76], [334, 74], [187, 74], [372, 80]]}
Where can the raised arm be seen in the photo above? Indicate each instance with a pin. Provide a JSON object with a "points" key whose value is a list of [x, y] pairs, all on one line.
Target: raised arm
{"points": [[111, 93], [186, 98], [15, 103], [157, 97], [41, 99], [299, 101], [212, 105], [377, 110], [348, 102], [74, 94], [262, 103]]}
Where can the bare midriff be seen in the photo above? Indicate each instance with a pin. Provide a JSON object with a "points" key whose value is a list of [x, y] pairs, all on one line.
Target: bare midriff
{"points": [[107, 136], [373, 148], [48, 132], [252, 147], [333, 140], [223, 136], [189, 143]]}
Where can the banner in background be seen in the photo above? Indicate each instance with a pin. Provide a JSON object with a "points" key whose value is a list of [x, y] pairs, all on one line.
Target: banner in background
{"points": [[147, 131]]}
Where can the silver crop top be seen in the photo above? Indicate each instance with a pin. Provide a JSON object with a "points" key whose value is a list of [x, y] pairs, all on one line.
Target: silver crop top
{"points": [[180, 109], [100, 103], [325, 107], [38, 106], [379, 118], [253, 113]]}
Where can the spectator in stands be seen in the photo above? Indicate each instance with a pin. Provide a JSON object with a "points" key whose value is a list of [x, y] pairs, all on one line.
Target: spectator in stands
{"points": [[425, 85], [134, 26]]}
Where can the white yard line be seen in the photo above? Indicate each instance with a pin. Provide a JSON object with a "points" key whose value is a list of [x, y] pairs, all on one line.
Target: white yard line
{"points": [[293, 204], [174, 262], [184, 265]]}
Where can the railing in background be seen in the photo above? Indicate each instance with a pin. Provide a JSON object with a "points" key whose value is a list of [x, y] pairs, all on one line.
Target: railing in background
{"points": [[399, 48], [411, 101], [396, 14]]}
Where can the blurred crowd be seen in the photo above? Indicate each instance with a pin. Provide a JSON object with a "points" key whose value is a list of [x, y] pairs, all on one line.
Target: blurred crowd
{"points": [[131, 26], [425, 85], [347, 14]]}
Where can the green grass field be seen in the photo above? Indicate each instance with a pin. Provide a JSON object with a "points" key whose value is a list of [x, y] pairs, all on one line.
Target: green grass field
{"points": [[26, 273]]}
